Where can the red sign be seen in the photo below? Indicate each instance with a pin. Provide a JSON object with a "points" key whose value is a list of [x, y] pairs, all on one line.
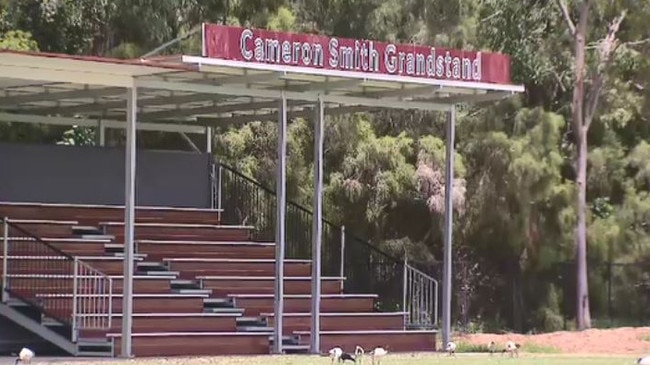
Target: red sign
{"points": [[333, 53]]}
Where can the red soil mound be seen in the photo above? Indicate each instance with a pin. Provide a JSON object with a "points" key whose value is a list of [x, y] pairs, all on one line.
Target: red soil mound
{"points": [[625, 340]]}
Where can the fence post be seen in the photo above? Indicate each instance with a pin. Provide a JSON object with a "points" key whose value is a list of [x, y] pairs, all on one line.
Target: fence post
{"points": [[610, 312], [110, 302], [5, 260], [219, 188], [342, 268], [407, 318], [213, 186], [75, 293]]}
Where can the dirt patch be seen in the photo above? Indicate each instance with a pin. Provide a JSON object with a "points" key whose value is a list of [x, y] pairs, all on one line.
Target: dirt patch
{"points": [[625, 340]]}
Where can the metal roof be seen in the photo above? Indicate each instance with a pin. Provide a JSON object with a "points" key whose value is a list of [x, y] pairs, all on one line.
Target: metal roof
{"points": [[54, 88]]}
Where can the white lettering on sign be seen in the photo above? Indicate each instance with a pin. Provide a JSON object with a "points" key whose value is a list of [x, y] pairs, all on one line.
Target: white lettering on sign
{"points": [[360, 55]]}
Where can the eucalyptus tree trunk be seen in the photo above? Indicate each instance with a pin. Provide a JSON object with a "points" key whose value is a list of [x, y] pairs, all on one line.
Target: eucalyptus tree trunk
{"points": [[583, 317], [584, 107]]}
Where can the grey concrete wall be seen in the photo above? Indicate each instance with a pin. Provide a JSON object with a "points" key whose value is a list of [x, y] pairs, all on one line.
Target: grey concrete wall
{"points": [[95, 175]]}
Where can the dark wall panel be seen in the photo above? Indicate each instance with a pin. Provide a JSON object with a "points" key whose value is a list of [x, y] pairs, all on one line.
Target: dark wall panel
{"points": [[94, 175]]}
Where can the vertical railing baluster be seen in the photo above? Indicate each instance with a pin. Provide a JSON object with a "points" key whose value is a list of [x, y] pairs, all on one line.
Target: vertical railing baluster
{"points": [[342, 261], [5, 259], [219, 195], [75, 289]]}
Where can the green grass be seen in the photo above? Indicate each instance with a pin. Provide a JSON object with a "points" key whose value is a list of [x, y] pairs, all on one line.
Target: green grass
{"points": [[539, 349], [464, 347], [397, 359]]}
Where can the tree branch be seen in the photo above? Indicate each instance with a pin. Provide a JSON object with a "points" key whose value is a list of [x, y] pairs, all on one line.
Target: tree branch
{"points": [[567, 16], [636, 43], [606, 51]]}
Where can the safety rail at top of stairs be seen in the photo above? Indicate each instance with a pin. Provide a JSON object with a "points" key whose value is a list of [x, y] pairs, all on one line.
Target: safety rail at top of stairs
{"points": [[62, 287]]}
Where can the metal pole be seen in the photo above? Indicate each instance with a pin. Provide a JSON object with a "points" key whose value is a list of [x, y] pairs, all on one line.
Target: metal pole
{"points": [[280, 224], [5, 259], [129, 220], [317, 230], [101, 133], [219, 188], [208, 139], [75, 294], [342, 267], [405, 291], [446, 275]]}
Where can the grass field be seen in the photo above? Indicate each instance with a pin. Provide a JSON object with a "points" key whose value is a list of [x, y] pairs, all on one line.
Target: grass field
{"points": [[397, 359]]}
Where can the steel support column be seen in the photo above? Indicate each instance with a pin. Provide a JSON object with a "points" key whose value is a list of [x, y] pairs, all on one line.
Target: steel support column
{"points": [[280, 224], [129, 220], [449, 215], [101, 133], [317, 228], [208, 139]]}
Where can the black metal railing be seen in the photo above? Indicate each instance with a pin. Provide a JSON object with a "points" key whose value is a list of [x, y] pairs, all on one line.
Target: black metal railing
{"points": [[370, 270], [36, 273], [60, 286], [367, 269]]}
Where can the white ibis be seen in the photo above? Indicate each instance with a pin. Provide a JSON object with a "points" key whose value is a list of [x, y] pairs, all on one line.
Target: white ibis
{"points": [[358, 353], [25, 356], [512, 349], [335, 354], [451, 348], [345, 357], [492, 346], [643, 360], [378, 353]]}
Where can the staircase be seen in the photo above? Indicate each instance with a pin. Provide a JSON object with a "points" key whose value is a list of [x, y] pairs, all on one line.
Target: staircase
{"points": [[53, 294]]}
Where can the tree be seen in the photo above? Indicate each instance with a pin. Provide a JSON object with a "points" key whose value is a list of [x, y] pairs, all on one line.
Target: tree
{"points": [[587, 86]]}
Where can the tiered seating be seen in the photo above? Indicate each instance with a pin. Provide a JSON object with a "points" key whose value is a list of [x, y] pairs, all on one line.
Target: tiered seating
{"points": [[206, 289]]}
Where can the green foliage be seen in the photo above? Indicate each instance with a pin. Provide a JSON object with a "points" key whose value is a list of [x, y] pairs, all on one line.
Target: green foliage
{"points": [[536, 348], [17, 40], [78, 136], [549, 316], [467, 347]]}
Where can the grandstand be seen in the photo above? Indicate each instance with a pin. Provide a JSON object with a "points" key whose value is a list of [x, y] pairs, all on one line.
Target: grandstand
{"points": [[203, 260]]}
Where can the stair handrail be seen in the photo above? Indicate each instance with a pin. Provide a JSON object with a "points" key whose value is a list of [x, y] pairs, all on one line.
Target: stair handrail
{"points": [[87, 282], [91, 311], [420, 299], [303, 209]]}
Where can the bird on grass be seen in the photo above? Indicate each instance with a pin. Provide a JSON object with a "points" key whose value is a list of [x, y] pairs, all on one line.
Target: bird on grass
{"points": [[378, 353], [492, 346], [358, 353], [335, 354], [345, 357], [512, 349], [643, 360], [24, 356], [451, 348]]}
